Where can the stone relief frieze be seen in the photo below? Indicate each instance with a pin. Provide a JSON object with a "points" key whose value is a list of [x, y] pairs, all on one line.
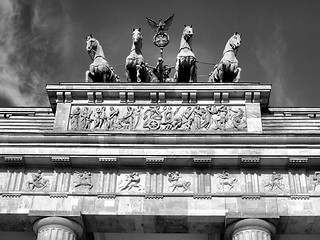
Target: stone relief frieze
{"points": [[38, 182], [138, 181], [158, 118], [176, 181], [83, 180], [226, 182], [131, 182]]}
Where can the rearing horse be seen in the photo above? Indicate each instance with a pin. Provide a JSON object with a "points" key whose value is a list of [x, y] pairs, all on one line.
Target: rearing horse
{"points": [[186, 69], [99, 70], [228, 70], [136, 70]]}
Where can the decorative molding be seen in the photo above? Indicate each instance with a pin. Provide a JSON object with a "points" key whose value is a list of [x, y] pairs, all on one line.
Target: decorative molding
{"points": [[217, 97], [11, 195], [185, 97], [130, 97], [99, 97], [202, 162], [107, 195], [61, 161], [251, 197], [153, 97], [250, 162], [208, 197], [153, 196], [193, 97], [68, 97], [225, 97], [108, 161], [14, 160], [58, 195], [162, 97], [154, 161], [299, 197], [298, 162], [256, 97], [90, 96], [60, 97]]}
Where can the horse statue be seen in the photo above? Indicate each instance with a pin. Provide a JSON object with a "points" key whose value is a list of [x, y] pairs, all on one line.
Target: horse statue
{"points": [[228, 70], [136, 69], [99, 70], [186, 69]]}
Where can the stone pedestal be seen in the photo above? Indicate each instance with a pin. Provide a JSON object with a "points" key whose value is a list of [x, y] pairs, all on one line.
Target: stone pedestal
{"points": [[250, 229], [57, 228]]}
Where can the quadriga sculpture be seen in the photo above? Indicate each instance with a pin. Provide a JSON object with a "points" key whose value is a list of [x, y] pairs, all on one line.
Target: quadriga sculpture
{"points": [[136, 70], [186, 69], [228, 70], [99, 70]]}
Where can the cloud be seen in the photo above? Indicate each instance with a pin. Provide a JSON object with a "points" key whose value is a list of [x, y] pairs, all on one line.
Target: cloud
{"points": [[31, 43], [271, 55]]}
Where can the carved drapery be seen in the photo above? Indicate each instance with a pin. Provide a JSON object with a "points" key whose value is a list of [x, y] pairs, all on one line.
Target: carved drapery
{"points": [[253, 229], [52, 228]]}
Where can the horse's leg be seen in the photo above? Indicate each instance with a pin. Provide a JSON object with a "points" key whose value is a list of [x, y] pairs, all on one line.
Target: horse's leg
{"points": [[193, 72], [237, 78], [138, 74], [87, 76], [176, 74], [221, 71]]}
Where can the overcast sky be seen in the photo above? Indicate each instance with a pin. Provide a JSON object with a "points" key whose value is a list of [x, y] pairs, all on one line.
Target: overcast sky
{"points": [[43, 41]]}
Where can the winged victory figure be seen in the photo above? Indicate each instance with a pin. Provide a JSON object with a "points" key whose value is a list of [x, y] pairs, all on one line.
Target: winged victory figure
{"points": [[160, 26]]}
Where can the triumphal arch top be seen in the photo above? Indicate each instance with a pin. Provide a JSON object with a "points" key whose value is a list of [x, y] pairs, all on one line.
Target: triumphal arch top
{"points": [[160, 153]]}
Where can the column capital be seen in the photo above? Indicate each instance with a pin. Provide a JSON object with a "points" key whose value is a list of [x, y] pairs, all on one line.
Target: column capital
{"points": [[48, 223], [249, 224]]}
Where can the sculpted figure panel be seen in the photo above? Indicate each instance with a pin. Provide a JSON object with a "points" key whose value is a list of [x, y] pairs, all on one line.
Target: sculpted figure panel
{"points": [[178, 182], [131, 182], [209, 118], [275, 182], [38, 182], [226, 182], [83, 181]]}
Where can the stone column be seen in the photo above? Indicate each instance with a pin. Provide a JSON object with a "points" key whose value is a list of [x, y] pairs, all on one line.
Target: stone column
{"points": [[57, 228], [250, 229]]}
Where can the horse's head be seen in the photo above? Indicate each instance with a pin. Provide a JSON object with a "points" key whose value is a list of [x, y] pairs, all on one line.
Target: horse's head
{"points": [[136, 36], [235, 40], [187, 32], [91, 43]]}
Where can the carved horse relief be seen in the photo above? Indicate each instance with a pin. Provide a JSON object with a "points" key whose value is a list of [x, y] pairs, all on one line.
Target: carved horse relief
{"points": [[136, 70], [99, 70], [186, 69], [228, 70]]}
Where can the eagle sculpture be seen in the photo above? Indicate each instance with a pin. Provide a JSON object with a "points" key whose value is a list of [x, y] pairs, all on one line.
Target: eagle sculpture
{"points": [[161, 25]]}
